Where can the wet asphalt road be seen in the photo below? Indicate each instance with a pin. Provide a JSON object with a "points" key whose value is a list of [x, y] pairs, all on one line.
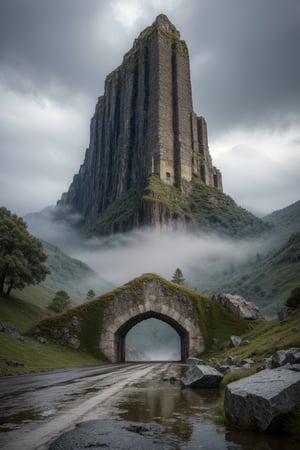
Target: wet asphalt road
{"points": [[37, 408]]}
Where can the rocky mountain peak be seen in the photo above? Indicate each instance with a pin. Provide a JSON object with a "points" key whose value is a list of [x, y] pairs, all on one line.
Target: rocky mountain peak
{"points": [[163, 21]]}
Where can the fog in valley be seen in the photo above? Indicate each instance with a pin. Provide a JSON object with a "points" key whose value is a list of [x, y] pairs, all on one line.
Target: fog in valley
{"points": [[202, 257]]}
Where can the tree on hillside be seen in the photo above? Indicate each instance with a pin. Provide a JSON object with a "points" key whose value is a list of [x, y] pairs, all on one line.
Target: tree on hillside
{"points": [[90, 294], [22, 256], [178, 277], [293, 300], [60, 302]]}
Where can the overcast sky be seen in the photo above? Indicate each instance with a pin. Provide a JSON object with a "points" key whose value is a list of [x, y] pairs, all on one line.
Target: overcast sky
{"points": [[245, 69]]}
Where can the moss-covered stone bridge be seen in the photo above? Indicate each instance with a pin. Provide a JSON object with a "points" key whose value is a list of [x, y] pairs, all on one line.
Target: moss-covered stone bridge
{"points": [[100, 326]]}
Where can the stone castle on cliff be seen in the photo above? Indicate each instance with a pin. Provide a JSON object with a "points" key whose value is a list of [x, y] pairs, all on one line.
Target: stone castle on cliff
{"points": [[143, 125]]}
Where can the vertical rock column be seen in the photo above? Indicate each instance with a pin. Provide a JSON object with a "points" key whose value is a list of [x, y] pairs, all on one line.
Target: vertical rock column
{"points": [[182, 112]]}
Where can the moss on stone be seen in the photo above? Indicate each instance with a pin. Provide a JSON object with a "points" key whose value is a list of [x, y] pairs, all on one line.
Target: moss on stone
{"points": [[214, 320], [118, 214]]}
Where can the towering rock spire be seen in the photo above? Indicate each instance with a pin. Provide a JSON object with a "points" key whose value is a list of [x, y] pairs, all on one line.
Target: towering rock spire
{"points": [[143, 125]]}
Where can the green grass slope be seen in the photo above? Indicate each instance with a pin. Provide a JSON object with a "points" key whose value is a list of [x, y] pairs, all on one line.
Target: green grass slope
{"points": [[266, 337], [24, 309], [38, 357], [200, 205], [286, 221], [205, 207], [268, 283], [72, 275]]}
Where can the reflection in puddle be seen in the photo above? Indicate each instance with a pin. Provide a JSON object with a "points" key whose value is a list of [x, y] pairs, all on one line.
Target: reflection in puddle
{"points": [[11, 422], [189, 416]]}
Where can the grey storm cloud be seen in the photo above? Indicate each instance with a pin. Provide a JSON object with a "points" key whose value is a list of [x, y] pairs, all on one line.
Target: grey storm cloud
{"points": [[55, 55]]}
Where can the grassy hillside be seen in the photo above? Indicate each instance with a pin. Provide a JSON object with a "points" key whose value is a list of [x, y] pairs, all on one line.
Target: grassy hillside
{"points": [[206, 207], [38, 357], [24, 309], [72, 275], [286, 221], [268, 278], [269, 282], [267, 337]]}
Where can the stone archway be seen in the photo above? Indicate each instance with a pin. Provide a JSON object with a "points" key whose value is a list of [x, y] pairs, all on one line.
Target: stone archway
{"points": [[121, 333], [152, 297]]}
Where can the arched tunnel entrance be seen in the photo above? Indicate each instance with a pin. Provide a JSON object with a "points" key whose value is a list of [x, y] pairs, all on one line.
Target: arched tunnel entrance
{"points": [[121, 333]]}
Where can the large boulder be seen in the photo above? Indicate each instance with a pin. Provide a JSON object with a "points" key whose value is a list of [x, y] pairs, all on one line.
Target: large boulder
{"points": [[202, 376], [235, 341], [238, 305], [282, 357], [262, 400]]}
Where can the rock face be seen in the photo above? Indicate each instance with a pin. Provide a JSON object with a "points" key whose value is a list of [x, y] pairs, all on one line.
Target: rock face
{"points": [[202, 376], [238, 305], [262, 400], [143, 125], [282, 357]]}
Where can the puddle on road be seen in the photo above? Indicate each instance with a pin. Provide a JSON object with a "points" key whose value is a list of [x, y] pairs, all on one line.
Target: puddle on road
{"points": [[11, 422], [188, 415]]}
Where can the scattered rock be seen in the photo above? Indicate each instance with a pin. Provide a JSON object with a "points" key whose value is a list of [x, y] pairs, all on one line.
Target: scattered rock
{"points": [[285, 312], [11, 330], [235, 341], [214, 344], [224, 369], [238, 305], [247, 361], [282, 357], [41, 339], [262, 400], [245, 342], [213, 361], [202, 376], [74, 342], [12, 363], [75, 323], [250, 327], [171, 378], [191, 360], [231, 360]]}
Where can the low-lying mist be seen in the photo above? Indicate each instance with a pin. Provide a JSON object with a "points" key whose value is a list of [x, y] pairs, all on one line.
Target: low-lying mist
{"points": [[120, 258], [152, 340], [202, 257]]}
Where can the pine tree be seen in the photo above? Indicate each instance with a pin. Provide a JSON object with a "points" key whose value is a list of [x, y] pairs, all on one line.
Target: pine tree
{"points": [[178, 277], [90, 294], [60, 302]]}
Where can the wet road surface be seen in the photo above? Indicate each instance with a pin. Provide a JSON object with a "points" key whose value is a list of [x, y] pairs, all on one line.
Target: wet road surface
{"points": [[34, 409], [127, 406]]}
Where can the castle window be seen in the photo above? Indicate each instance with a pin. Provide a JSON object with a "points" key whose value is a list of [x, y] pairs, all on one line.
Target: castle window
{"points": [[168, 174]]}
